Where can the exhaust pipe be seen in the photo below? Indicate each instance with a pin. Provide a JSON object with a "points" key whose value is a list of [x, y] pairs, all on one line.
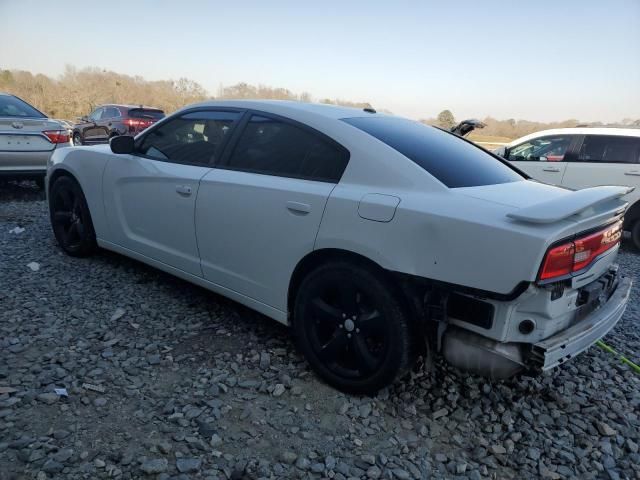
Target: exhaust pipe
{"points": [[481, 355]]}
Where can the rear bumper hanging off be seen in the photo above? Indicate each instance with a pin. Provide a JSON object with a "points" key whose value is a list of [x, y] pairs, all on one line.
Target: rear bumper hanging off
{"points": [[566, 344]]}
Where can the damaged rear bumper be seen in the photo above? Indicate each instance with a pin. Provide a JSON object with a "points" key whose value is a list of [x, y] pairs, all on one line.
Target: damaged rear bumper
{"points": [[566, 344]]}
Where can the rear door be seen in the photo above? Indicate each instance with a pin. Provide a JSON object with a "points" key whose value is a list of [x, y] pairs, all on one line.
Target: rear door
{"points": [[91, 130], [606, 160], [259, 211], [544, 158], [150, 196]]}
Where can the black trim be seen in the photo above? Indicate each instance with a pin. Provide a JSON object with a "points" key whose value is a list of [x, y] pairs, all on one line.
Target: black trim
{"points": [[518, 290], [576, 159], [225, 141], [242, 124]]}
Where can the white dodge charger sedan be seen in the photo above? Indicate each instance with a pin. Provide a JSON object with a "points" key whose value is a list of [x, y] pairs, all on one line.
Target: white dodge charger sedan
{"points": [[375, 237]]}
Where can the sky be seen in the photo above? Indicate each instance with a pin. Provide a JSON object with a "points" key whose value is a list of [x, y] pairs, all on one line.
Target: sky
{"points": [[539, 60]]}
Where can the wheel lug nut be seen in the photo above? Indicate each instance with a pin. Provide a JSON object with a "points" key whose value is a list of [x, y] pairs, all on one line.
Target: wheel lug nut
{"points": [[357, 330], [341, 326], [344, 315], [348, 335], [353, 318]]}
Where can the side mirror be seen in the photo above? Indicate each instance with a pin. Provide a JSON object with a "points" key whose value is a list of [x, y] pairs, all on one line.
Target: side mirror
{"points": [[122, 144], [83, 119], [543, 159], [501, 152]]}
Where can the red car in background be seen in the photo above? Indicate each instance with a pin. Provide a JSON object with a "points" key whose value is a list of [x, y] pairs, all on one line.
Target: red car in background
{"points": [[108, 121]]}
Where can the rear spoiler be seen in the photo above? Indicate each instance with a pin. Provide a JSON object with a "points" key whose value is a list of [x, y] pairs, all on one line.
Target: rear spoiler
{"points": [[563, 207]]}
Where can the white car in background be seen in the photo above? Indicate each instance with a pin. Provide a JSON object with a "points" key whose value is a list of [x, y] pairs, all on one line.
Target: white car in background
{"points": [[27, 139], [584, 157], [375, 237]]}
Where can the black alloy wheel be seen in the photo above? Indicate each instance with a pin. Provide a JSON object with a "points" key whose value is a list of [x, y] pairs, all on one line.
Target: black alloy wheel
{"points": [[77, 139], [352, 328], [70, 218]]}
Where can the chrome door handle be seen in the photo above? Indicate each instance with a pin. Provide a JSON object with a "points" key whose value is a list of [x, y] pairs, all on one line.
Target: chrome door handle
{"points": [[299, 208], [635, 173], [550, 169], [183, 190]]}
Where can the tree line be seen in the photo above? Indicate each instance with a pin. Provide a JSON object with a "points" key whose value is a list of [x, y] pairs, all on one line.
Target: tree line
{"points": [[78, 91]]}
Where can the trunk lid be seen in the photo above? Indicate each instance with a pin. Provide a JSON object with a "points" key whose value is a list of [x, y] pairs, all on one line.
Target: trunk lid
{"points": [[19, 134], [538, 203]]}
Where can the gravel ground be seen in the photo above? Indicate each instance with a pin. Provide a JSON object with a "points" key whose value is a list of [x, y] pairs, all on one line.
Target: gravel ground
{"points": [[196, 386]]}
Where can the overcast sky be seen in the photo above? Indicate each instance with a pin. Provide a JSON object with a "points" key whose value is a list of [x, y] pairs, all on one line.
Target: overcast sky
{"points": [[537, 60]]}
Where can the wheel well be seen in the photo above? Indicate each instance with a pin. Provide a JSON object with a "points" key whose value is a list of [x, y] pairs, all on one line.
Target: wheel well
{"points": [[407, 293], [632, 214], [60, 173]]}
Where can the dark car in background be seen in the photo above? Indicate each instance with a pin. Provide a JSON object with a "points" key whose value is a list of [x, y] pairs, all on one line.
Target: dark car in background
{"points": [[108, 121]]}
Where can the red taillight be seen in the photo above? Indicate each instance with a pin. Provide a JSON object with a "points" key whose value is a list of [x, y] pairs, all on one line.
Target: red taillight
{"points": [[573, 256], [558, 261], [57, 136]]}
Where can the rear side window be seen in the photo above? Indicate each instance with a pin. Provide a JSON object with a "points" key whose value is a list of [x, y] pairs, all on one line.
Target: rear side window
{"points": [[194, 138], [14, 107], [273, 147], [453, 161], [609, 149], [148, 113]]}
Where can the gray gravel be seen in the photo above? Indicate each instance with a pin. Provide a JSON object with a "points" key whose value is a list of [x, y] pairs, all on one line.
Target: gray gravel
{"points": [[166, 380]]}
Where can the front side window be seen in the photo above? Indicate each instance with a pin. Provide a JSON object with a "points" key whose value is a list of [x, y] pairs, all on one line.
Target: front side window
{"points": [[11, 106], [273, 147], [95, 115], [543, 149], [193, 138], [452, 160], [609, 149]]}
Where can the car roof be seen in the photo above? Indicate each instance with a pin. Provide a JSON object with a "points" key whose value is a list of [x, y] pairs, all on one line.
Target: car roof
{"points": [[622, 132], [292, 106]]}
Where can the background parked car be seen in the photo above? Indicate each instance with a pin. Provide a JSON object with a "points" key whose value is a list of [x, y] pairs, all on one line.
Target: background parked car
{"points": [[584, 157], [27, 139], [108, 121]]}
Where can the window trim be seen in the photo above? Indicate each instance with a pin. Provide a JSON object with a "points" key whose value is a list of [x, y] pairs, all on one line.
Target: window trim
{"points": [[225, 141], [225, 158], [576, 158]]}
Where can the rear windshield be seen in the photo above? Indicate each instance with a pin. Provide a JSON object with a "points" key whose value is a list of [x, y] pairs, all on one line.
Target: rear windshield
{"points": [[14, 107], [149, 113], [453, 161]]}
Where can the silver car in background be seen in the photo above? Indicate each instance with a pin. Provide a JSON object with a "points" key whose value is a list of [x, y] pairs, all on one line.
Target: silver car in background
{"points": [[28, 138]]}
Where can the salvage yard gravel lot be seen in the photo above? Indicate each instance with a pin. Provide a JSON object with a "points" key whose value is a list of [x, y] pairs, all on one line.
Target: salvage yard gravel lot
{"points": [[197, 386]]}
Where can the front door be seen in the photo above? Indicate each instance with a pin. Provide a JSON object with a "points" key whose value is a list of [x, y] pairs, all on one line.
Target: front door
{"points": [[150, 196], [258, 214], [91, 131], [543, 158]]}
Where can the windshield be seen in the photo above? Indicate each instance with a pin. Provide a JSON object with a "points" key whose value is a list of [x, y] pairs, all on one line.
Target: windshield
{"points": [[11, 106], [455, 162]]}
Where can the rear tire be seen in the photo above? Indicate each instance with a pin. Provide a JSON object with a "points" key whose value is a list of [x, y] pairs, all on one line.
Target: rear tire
{"points": [[352, 328], [635, 234], [71, 219]]}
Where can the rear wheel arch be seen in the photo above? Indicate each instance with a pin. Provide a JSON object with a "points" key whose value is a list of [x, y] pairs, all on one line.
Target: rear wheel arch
{"points": [[405, 290]]}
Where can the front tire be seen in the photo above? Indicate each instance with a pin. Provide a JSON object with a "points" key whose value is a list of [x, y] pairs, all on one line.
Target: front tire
{"points": [[77, 139], [635, 234], [71, 219], [352, 328]]}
